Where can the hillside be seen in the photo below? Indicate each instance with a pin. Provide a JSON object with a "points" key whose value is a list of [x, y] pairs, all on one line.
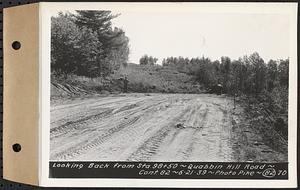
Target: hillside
{"points": [[158, 79], [142, 79]]}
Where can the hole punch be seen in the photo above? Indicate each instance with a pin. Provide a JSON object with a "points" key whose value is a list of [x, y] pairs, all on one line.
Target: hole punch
{"points": [[16, 45], [17, 147]]}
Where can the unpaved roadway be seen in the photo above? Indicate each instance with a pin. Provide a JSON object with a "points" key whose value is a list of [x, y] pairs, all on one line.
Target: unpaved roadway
{"points": [[144, 127]]}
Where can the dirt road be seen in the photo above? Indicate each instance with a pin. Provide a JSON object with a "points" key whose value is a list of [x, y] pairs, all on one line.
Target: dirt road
{"points": [[139, 127]]}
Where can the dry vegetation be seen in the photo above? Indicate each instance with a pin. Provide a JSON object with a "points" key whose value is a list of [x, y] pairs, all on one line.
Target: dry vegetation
{"points": [[142, 79], [258, 139]]}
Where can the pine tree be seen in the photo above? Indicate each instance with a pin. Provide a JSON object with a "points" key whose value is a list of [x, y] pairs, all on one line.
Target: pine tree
{"points": [[113, 47]]}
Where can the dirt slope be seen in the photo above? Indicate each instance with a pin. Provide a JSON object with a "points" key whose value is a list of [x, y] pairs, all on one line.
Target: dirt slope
{"points": [[151, 127]]}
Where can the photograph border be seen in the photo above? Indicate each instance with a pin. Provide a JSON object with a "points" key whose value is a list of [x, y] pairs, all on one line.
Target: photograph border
{"points": [[44, 94]]}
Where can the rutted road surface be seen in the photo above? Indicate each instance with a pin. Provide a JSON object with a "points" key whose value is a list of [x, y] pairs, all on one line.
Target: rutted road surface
{"points": [[139, 127]]}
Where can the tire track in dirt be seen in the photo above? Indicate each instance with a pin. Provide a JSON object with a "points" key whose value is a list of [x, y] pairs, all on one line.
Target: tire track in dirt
{"points": [[125, 113], [87, 102], [151, 145], [59, 116], [87, 145], [201, 120], [122, 144], [179, 144], [214, 138], [74, 125], [144, 129], [85, 122]]}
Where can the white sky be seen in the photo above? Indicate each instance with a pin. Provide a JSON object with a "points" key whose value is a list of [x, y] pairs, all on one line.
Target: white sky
{"points": [[201, 29], [194, 34]]}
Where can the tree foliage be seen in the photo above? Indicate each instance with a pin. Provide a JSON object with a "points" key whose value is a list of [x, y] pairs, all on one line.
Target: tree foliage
{"points": [[148, 60], [248, 75], [86, 44]]}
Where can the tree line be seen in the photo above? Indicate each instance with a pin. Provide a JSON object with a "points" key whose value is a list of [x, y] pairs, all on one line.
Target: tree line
{"points": [[85, 43], [249, 75]]}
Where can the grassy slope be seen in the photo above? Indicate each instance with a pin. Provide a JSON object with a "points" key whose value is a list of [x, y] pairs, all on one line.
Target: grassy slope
{"points": [[143, 79], [158, 79]]}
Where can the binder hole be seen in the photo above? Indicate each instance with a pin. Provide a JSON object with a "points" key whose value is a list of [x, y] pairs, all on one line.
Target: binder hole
{"points": [[16, 45], [16, 147]]}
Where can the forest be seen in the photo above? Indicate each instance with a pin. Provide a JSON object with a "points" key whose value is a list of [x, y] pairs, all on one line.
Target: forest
{"points": [[86, 44]]}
